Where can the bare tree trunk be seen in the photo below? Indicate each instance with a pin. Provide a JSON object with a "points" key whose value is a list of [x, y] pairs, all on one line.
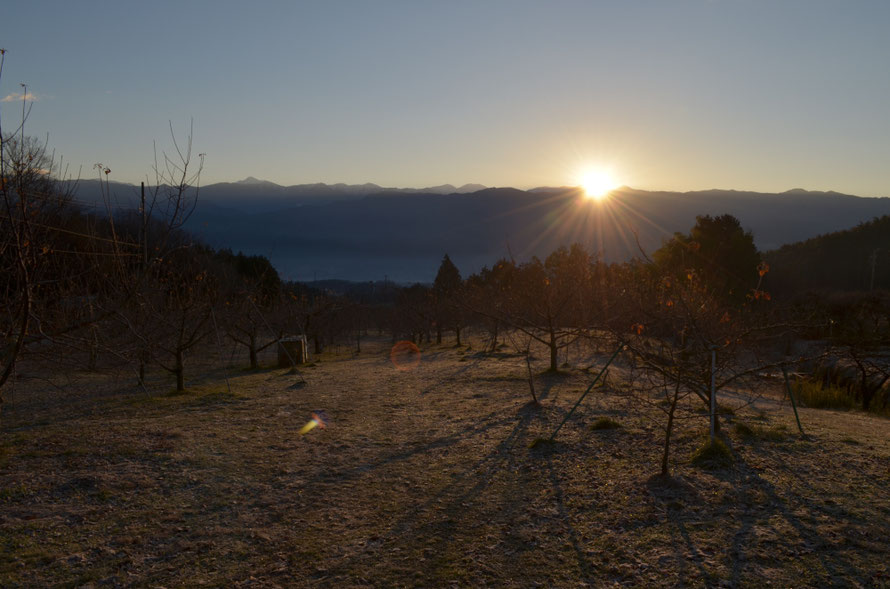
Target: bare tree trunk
{"points": [[531, 377], [15, 349], [716, 419], [179, 371], [94, 350], [867, 392], [254, 362], [668, 431], [143, 359], [554, 349]]}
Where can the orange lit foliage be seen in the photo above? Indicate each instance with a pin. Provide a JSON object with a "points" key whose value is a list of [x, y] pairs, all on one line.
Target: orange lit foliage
{"points": [[671, 325]]}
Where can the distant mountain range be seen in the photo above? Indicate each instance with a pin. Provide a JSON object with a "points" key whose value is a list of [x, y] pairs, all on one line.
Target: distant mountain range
{"points": [[367, 232], [255, 196], [252, 195]]}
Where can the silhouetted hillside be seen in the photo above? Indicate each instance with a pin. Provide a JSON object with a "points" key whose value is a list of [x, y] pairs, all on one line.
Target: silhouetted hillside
{"points": [[336, 231], [853, 259], [404, 235]]}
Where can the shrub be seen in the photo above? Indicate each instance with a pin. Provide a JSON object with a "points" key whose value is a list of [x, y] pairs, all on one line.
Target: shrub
{"points": [[817, 396], [743, 430], [773, 434], [725, 409], [542, 443], [758, 432], [604, 423]]}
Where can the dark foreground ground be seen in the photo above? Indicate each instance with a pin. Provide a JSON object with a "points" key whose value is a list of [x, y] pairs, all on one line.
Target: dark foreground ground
{"points": [[426, 478]]}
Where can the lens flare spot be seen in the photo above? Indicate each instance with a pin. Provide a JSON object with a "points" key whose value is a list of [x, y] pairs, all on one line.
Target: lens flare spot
{"points": [[319, 419], [405, 355]]}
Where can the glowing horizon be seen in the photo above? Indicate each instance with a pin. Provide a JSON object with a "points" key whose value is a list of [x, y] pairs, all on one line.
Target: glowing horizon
{"points": [[597, 182], [387, 93]]}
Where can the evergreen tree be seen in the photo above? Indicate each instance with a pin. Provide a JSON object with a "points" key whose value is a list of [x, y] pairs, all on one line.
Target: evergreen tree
{"points": [[717, 250], [445, 289]]}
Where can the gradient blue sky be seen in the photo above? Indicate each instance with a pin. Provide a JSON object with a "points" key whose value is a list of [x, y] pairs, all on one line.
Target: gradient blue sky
{"points": [[677, 95]]}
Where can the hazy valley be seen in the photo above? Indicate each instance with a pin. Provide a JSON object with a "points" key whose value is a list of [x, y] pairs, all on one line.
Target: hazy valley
{"points": [[365, 232]]}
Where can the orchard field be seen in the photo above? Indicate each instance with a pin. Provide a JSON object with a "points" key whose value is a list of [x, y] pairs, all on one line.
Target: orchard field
{"points": [[428, 477]]}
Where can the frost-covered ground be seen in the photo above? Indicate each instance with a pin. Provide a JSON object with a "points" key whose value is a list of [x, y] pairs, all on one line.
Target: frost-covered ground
{"points": [[426, 478]]}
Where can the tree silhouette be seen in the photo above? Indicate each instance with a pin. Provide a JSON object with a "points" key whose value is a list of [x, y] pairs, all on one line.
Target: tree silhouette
{"points": [[719, 251], [549, 301], [859, 335], [446, 289], [254, 291]]}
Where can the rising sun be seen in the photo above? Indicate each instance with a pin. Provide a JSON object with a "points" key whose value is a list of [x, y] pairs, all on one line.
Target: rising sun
{"points": [[597, 183]]}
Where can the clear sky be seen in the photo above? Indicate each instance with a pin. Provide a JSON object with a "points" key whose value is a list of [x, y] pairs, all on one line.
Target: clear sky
{"points": [[677, 95]]}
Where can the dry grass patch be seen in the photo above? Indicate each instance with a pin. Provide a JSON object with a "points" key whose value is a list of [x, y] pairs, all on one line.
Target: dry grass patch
{"points": [[713, 454], [813, 394], [604, 423]]}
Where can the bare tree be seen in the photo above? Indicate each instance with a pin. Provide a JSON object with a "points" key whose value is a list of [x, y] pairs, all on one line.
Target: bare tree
{"points": [[684, 340], [180, 308], [48, 261], [548, 300], [859, 341], [167, 294]]}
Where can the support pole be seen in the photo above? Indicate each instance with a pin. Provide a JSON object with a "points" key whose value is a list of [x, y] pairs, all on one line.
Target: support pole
{"points": [[793, 402], [578, 402]]}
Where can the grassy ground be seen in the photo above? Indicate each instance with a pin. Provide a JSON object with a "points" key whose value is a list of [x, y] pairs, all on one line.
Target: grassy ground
{"points": [[426, 478]]}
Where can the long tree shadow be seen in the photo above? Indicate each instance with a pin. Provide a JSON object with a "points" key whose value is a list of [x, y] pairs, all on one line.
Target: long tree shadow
{"points": [[478, 427], [588, 570], [454, 374], [834, 566], [745, 479], [550, 380], [761, 503], [441, 530], [674, 494]]}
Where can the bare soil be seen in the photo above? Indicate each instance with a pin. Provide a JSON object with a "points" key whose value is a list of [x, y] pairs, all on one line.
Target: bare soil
{"points": [[426, 478]]}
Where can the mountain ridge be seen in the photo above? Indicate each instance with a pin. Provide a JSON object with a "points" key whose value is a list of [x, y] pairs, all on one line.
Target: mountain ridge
{"points": [[405, 236], [316, 231]]}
